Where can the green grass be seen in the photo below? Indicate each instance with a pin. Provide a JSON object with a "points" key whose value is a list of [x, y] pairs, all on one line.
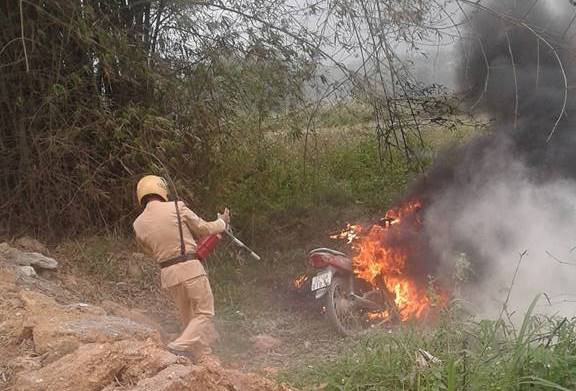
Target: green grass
{"points": [[538, 354], [278, 180]]}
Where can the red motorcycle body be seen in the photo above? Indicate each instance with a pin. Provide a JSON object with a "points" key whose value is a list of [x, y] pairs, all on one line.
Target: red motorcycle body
{"points": [[320, 258]]}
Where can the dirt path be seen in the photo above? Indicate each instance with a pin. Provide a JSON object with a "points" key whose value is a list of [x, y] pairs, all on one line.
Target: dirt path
{"points": [[300, 335], [276, 331], [53, 339], [266, 327]]}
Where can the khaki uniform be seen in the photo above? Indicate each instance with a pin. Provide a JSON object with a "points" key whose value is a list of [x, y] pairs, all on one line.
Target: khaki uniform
{"points": [[157, 232]]}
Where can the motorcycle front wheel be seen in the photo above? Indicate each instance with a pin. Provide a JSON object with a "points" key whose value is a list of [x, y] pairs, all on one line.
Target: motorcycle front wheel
{"points": [[344, 313]]}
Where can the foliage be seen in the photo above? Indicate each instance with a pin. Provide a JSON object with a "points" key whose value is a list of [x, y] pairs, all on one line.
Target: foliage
{"points": [[270, 192], [95, 93], [477, 355]]}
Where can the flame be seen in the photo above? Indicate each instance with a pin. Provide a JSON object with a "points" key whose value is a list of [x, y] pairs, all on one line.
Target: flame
{"points": [[349, 234], [299, 281], [411, 300], [382, 255]]}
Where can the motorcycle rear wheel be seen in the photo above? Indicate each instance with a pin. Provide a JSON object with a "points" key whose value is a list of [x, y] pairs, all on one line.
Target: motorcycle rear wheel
{"points": [[344, 314]]}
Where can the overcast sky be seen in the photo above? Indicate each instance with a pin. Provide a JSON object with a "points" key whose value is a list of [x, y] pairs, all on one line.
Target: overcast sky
{"points": [[437, 57]]}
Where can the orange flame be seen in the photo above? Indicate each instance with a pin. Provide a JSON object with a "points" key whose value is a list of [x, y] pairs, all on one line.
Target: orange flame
{"points": [[349, 234], [299, 281], [379, 260]]}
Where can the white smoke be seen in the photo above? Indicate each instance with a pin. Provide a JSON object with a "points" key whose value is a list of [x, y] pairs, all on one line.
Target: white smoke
{"points": [[498, 212]]}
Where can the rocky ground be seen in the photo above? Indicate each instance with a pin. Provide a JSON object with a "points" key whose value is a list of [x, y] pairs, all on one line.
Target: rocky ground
{"points": [[51, 339]]}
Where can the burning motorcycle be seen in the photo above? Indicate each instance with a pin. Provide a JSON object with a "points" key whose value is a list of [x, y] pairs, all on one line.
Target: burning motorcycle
{"points": [[377, 287], [352, 305]]}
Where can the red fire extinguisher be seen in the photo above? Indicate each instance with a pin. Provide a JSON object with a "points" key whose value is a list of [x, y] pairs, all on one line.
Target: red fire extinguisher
{"points": [[206, 245]]}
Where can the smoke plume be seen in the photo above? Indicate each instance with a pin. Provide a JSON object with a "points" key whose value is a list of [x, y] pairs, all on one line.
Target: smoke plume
{"points": [[512, 190]]}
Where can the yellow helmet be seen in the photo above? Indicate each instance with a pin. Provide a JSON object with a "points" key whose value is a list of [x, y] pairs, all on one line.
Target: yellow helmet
{"points": [[152, 184]]}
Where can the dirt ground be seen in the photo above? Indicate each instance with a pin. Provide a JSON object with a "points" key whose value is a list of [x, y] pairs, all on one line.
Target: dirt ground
{"points": [[303, 335], [266, 326], [253, 299]]}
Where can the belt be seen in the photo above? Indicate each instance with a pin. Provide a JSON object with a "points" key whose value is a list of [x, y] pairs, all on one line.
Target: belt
{"points": [[179, 259]]}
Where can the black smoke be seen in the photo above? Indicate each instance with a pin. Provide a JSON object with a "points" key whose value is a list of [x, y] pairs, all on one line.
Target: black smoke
{"points": [[522, 76], [517, 67]]}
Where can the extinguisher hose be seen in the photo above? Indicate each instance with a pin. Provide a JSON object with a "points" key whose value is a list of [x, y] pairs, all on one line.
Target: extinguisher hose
{"points": [[239, 243]]}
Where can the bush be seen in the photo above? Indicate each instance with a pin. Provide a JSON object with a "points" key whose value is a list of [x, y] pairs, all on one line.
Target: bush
{"points": [[99, 93]]}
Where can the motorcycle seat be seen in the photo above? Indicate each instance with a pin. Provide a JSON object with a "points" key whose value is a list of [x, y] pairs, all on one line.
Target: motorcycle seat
{"points": [[329, 251]]}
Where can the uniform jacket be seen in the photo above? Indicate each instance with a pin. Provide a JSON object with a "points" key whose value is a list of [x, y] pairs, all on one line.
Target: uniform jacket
{"points": [[157, 232]]}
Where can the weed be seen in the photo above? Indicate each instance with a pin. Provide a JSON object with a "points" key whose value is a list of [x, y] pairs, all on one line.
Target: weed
{"points": [[276, 183], [474, 355], [113, 259]]}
